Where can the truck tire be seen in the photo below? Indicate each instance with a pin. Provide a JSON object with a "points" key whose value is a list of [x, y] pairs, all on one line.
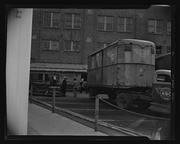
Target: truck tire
{"points": [[124, 101], [143, 104], [112, 96]]}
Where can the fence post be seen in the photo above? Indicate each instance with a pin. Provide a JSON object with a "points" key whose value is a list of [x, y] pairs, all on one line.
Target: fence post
{"points": [[96, 112], [54, 94]]}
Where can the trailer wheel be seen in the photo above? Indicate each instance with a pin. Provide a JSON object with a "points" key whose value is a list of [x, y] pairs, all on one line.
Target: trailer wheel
{"points": [[144, 105], [124, 101], [112, 96]]}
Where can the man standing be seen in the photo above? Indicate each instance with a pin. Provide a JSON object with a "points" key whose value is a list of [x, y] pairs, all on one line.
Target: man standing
{"points": [[85, 86], [75, 87], [54, 80], [81, 85], [63, 87]]}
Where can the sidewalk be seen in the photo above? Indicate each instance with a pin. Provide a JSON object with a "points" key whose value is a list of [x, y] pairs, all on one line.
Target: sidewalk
{"points": [[43, 122]]}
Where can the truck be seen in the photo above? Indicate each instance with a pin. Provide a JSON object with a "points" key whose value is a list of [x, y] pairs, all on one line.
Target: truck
{"points": [[125, 71]]}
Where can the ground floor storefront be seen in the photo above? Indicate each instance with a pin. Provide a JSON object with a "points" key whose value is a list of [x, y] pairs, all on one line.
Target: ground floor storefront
{"points": [[42, 73]]}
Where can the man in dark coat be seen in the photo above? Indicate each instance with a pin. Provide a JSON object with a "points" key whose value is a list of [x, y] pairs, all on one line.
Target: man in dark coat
{"points": [[54, 80], [63, 87], [81, 85]]}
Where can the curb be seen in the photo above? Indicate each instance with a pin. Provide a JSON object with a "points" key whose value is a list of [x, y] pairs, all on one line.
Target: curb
{"points": [[120, 129]]}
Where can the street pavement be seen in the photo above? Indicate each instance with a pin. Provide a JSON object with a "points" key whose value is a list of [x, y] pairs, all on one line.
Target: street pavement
{"points": [[43, 122], [152, 107]]}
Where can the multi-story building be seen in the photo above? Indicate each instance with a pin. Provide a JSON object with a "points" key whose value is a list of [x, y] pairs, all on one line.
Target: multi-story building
{"points": [[63, 38]]}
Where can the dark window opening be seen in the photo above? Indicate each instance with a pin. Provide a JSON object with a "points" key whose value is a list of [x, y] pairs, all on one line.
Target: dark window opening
{"points": [[158, 50], [163, 78]]}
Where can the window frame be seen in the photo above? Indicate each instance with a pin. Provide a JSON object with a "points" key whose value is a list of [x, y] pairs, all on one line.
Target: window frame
{"points": [[104, 23], [159, 47], [72, 21], [155, 26], [51, 19], [72, 46], [50, 45], [165, 76], [125, 24]]}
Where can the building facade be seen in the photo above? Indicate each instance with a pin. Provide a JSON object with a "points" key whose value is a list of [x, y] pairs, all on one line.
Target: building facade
{"points": [[68, 36]]}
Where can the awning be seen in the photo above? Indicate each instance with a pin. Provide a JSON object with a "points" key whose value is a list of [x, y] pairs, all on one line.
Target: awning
{"points": [[58, 67]]}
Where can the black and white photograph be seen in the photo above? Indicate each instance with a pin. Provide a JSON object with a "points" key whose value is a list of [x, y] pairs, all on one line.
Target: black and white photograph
{"points": [[89, 73]]}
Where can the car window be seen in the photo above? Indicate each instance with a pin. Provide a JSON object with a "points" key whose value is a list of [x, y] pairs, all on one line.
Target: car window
{"points": [[163, 78]]}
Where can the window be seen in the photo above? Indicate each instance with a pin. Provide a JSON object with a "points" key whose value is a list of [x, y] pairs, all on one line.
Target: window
{"points": [[151, 26], [158, 49], [36, 77], [46, 45], [55, 20], [105, 23], [40, 77], [73, 21], [47, 79], [155, 26], [50, 45], [51, 19], [47, 19], [68, 21], [109, 23], [77, 21], [168, 28], [163, 78], [72, 45], [125, 24], [101, 23]]}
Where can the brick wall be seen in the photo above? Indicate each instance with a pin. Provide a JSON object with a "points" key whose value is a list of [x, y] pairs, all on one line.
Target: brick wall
{"points": [[35, 41], [89, 36]]}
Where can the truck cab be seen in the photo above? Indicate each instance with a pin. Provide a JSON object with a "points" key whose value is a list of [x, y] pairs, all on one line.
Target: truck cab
{"points": [[161, 89]]}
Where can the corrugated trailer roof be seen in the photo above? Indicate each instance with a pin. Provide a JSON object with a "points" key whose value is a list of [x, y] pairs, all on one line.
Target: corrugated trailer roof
{"points": [[127, 41], [136, 41]]}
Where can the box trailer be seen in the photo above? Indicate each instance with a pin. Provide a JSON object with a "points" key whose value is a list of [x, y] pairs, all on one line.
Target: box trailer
{"points": [[124, 71]]}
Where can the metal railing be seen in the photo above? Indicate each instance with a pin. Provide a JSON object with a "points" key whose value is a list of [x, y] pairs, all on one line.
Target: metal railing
{"points": [[97, 109], [156, 135]]}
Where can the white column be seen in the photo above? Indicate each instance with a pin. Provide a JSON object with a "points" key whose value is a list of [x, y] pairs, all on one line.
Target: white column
{"points": [[19, 26]]}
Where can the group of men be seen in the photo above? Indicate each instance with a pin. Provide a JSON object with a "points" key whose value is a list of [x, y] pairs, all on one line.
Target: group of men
{"points": [[81, 86]]}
